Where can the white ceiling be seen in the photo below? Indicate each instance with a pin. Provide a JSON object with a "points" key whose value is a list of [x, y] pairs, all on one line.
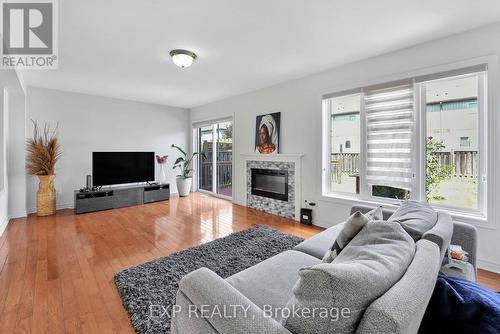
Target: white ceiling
{"points": [[119, 48]]}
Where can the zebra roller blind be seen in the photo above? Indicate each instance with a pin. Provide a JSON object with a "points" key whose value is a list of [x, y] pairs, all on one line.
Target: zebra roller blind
{"points": [[389, 135]]}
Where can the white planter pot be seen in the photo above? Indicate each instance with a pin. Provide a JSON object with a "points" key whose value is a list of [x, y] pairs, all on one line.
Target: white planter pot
{"points": [[184, 186]]}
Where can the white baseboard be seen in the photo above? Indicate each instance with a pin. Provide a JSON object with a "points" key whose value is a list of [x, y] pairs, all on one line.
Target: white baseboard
{"points": [[18, 214], [3, 224], [488, 265]]}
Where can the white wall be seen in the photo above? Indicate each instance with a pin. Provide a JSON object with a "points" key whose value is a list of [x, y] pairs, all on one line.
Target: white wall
{"points": [[16, 153], [299, 102], [4, 188], [90, 123], [13, 190]]}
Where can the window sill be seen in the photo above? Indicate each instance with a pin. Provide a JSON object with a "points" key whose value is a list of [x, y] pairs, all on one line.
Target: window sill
{"points": [[476, 220], [350, 200]]}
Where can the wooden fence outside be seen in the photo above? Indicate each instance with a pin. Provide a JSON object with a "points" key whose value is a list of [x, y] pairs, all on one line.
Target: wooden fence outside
{"points": [[465, 163]]}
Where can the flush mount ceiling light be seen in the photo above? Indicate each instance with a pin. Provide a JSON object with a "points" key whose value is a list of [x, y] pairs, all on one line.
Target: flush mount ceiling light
{"points": [[182, 58]]}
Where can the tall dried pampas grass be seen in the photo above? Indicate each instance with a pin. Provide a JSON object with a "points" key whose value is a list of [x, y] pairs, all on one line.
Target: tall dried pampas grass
{"points": [[43, 151]]}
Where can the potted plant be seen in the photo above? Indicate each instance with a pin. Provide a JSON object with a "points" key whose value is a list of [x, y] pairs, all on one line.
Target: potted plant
{"points": [[43, 152], [184, 180]]}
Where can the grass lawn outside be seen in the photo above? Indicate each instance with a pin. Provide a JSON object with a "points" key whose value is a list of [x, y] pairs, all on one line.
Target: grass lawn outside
{"points": [[457, 192]]}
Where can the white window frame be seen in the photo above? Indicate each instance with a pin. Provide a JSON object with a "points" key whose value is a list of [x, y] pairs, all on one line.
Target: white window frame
{"points": [[482, 101], [327, 127], [486, 185]]}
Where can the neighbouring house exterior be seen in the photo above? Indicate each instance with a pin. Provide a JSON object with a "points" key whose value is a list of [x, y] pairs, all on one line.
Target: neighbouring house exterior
{"points": [[454, 123]]}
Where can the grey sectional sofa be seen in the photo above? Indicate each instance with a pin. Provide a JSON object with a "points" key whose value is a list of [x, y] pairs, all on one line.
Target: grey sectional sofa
{"points": [[271, 283]]}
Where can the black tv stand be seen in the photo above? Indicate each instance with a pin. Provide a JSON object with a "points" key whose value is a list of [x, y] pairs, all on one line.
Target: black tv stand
{"points": [[119, 197]]}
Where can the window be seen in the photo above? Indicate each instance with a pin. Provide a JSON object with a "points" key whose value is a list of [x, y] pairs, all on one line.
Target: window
{"points": [[452, 141], [389, 133], [464, 142], [343, 113], [420, 138]]}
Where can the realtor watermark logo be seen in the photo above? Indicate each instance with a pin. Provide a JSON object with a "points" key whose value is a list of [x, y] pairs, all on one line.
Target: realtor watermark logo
{"points": [[29, 33]]}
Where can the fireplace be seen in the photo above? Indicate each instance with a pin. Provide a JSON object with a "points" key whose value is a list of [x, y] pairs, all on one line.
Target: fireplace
{"points": [[270, 183], [278, 190]]}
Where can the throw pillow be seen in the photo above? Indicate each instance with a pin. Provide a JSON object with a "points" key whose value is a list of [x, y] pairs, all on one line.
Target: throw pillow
{"points": [[368, 267], [351, 228], [416, 218]]}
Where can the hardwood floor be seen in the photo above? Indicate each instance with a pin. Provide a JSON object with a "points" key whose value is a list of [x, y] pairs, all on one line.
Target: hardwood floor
{"points": [[489, 279], [56, 273]]}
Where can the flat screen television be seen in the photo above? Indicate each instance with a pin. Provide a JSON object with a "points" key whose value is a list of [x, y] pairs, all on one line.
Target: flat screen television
{"points": [[110, 168]]}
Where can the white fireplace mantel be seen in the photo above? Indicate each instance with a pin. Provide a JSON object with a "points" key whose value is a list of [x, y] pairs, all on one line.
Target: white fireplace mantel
{"points": [[296, 158], [273, 157]]}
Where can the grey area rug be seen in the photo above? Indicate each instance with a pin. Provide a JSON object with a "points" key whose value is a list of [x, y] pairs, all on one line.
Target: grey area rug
{"points": [[156, 282]]}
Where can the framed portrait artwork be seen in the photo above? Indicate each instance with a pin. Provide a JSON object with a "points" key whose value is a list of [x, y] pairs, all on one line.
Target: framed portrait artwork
{"points": [[267, 133]]}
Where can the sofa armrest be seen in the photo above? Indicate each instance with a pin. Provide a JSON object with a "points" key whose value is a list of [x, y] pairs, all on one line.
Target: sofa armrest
{"points": [[205, 292], [465, 235]]}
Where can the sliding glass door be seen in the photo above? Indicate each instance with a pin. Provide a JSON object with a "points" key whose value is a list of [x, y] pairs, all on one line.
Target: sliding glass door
{"points": [[215, 167], [205, 170], [224, 158]]}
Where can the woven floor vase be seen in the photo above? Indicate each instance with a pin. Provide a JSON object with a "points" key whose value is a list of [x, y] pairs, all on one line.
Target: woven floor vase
{"points": [[46, 196]]}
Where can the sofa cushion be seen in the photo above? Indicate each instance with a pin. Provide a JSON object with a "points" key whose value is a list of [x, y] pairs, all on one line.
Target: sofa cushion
{"points": [[386, 213], [441, 233], [351, 228], [317, 245], [402, 307], [271, 281], [369, 266], [415, 217], [209, 304]]}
